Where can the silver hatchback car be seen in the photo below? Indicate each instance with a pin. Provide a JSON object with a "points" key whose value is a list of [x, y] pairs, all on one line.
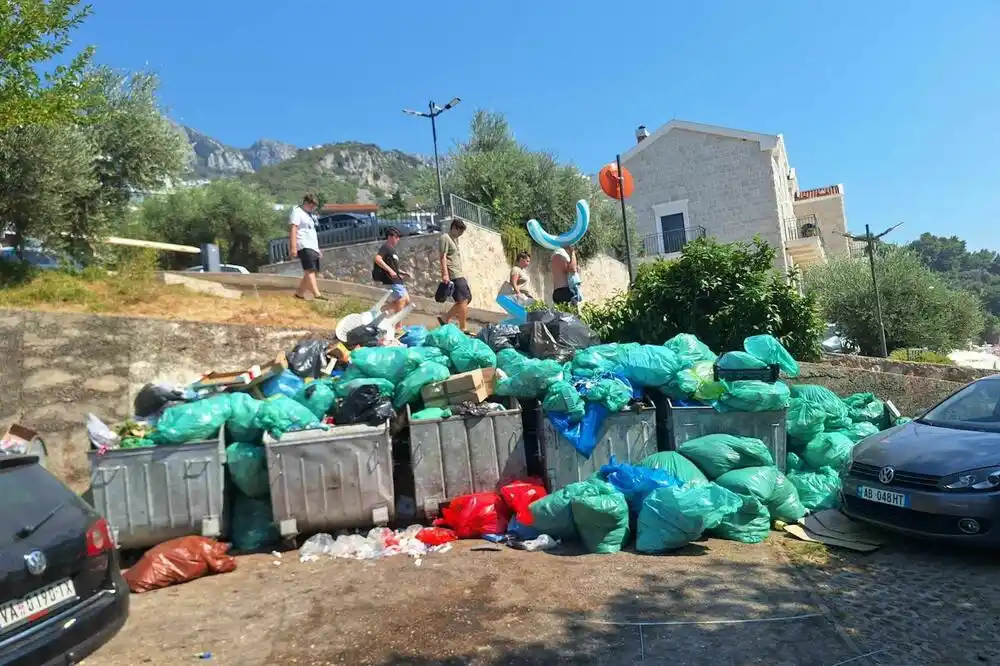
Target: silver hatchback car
{"points": [[937, 477]]}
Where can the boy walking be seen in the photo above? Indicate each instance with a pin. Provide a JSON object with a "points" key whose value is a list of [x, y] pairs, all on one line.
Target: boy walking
{"points": [[304, 244]]}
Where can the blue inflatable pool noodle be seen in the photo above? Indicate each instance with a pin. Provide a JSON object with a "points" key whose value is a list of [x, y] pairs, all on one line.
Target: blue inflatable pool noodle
{"points": [[571, 237]]}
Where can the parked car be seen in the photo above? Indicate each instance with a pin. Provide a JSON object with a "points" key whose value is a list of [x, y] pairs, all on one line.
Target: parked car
{"points": [[937, 477], [39, 258], [834, 342], [62, 595], [224, 268], [345, 228]]}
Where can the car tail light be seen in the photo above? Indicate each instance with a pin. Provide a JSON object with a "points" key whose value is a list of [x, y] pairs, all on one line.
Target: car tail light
{"points": [[99, 538]]}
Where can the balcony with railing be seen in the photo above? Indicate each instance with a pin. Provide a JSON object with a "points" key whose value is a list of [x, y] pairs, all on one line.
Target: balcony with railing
{"points": [[662, 245], [804, 240]]}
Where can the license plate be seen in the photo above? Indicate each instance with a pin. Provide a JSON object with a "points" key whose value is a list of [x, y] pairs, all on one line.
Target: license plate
{"points": [[883, 496], [36, 604]]}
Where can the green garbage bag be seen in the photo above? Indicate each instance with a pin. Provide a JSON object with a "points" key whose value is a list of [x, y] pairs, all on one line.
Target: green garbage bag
{"points": [[447, 338], [768, 349], [737, 360], [135, 443], [247, 465], [473, 355], [690, 349], [717, 454], [836, 410], [252, 524], [318, 396], [804, 419], [753, 396], [240, 425], [409, 389], [793, 463], [600, 515], [768, 485], [431, 354], [817, 490], [611, 393], [750, 524], [858, 431], [673, 517], [595, 360], [392, 363], [563, 398], [675, 465], [431, 414], [865, 407], [649, 365], [510, 361], [282, 414], [830, 449], [193, 421], [346, 388], [553, 514], [531, 380], [697, 381], [903, 420]]}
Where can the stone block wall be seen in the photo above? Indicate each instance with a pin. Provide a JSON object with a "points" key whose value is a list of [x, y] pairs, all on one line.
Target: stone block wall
{"points": [[483, 261]]}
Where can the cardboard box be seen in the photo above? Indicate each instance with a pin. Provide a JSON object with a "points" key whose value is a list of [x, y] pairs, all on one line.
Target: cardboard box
{"points": [[473, 386], [17, 440]]}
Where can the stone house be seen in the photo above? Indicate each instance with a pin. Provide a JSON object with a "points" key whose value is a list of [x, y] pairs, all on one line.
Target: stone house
{"points": [[694, 180]]}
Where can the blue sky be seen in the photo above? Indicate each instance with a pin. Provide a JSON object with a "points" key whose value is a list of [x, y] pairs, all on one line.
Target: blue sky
{"points": [[897, 100]]}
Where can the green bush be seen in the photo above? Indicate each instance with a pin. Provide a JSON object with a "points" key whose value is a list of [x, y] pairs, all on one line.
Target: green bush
{"points": [[920, 356], [722, 293]]}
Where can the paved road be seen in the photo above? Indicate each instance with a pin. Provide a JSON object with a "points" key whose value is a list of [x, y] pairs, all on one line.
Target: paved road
{"points": [[713, 603], [914, 604]]}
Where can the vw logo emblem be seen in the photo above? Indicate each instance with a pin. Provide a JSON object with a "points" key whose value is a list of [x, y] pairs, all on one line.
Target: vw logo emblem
{"points": [[35, 562], [886, 474]]}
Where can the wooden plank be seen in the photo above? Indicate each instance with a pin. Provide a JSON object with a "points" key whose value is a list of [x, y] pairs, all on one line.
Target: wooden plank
{"points": [[169, 247]]}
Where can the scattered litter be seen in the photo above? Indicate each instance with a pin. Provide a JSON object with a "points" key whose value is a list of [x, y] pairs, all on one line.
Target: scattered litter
{"points": [[380, 542]]}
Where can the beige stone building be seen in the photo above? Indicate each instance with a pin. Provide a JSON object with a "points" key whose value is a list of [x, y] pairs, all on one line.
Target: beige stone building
{"points": [[694, 180]]}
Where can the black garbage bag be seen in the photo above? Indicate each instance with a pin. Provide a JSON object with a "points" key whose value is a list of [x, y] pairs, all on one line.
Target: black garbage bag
{"points": [[500, 336], [362, 336], [154, 398], [444, 291], [364, 405], [555, 335], [309, 358]]}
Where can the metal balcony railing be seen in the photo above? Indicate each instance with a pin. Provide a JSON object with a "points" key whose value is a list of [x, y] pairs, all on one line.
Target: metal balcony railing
{"points": [[671, 241]]}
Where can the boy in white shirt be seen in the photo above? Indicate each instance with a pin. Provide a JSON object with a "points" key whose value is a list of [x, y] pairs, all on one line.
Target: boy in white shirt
{"points": [[304, 244]]}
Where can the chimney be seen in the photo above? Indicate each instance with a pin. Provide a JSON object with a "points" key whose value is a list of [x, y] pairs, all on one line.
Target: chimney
{"points": [[641, 133]]}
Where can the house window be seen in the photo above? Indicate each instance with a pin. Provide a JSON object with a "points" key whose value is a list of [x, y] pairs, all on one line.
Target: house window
{"points": [[671, 228]]}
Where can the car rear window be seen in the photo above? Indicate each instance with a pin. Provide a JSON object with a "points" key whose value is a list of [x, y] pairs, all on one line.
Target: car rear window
{"points": [[27, 493]]}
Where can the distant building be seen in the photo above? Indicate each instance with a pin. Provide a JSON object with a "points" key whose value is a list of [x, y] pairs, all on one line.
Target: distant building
{"points": [[694, 180]]}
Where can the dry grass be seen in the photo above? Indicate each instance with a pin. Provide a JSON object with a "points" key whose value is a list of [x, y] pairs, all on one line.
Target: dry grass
{"points": [[139, 294]]}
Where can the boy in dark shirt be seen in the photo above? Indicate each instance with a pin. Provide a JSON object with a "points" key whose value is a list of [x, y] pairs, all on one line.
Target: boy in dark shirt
{"points": [[385, 270]]}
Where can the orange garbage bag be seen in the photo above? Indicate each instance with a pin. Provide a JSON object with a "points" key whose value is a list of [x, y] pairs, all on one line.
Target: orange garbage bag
{"points": [[178, 561]]}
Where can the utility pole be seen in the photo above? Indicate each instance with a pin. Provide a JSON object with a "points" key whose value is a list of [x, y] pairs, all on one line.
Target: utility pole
{"points": [[869, 240], [433, 111]]}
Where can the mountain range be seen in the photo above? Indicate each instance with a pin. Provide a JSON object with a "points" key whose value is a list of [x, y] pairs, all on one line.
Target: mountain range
{"points": [[345, 172]]}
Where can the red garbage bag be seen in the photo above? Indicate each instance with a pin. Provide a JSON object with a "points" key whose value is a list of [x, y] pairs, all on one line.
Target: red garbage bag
{"points": [[178, 561], [472, 516], [520, 494], [435, 536]]}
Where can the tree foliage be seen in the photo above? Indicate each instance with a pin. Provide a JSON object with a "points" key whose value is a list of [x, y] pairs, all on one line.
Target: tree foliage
{"points": [[722, 293], [236, 216], [32, 33], [492, 169], [919, 307], [65, 184]]}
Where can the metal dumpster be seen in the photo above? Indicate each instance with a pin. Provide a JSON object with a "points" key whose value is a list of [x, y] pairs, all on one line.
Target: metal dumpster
{"points": [[629, 436], [465, 454], [327, 480], [686, 423], [153, 494]]}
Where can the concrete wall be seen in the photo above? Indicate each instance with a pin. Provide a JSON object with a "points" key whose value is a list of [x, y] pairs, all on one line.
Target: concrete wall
{"points": [[55, 368], [829, 212], [950, 373], [483, 261], [729, 184], [911, 394]]}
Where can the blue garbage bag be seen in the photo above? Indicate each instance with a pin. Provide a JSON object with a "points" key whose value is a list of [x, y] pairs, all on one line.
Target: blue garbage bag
{"points": [[649, 365], [287, 383], [636, 482], [582, 434], [414, 336]]}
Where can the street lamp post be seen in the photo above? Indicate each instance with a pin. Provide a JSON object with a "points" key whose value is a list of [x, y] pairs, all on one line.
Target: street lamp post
{"points": [[433, 111], [869, 240]]}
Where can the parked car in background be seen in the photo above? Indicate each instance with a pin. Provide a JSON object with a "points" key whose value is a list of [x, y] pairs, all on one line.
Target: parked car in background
{"points": [[223, 268], [835, 343], [39, 258], [937, 477], [62, 595], [345, 228]]}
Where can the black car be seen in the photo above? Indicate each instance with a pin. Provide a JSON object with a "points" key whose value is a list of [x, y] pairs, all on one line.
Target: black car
{"points": [[347, 228], [62, 595]]}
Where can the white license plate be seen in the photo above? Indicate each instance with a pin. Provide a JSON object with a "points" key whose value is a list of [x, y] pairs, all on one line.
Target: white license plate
{"points": [[883, 496], [36, 604]]}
